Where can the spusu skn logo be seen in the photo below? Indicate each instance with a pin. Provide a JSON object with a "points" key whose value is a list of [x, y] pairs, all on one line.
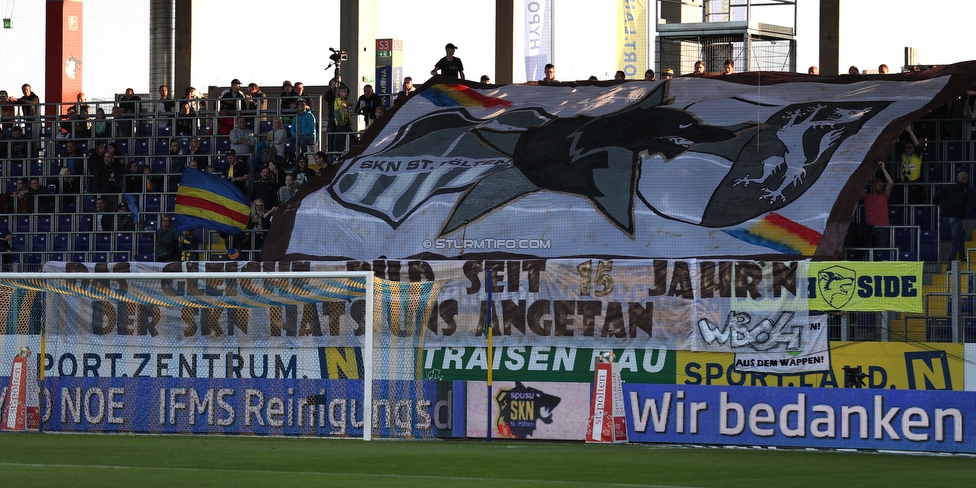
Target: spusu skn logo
{"points": [[520, 408]]}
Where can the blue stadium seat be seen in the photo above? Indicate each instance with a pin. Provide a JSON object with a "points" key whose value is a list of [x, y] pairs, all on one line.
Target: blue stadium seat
{"points": [[60, 242], [166, 131], [161, 147], [141, 147], [88, 205], [123, 147], [69, 205], [158, 165], [935, 172], [15, 168], [56, 256], [64, 223], [35, 259], [103, 242], [170, 203], [123, 242], [265, 126], [929, 252], [908, 256], [82, 242], [144, 258], [120, 257], [36, 168], [78, 257], [146, 243], [98, 257], [39, 243], [205, 144], [43, 223], [86, 223], [955, 151], [896, 215], [22, 223], [153, 204], [223, 144], [144, 129], [18, 243]]}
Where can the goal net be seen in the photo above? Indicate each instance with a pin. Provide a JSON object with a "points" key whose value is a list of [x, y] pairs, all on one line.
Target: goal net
{"points": [[336, 354]]}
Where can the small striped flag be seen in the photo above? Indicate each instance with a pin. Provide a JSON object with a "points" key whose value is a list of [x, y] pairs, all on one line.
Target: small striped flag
{"points": [[206, 200]]}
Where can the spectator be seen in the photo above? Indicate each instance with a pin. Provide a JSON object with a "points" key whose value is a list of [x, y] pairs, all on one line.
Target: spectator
{"points": [[304, 124], [649, 75], [40, 202], [165, 107], [132, 178], [101, 128], [699, 67], [449, 65], [19, 196], [330, 96], [728, 67], [408, 89], [379, 113], [7, 111], [550, 71], [231, 103], [876, 207], [853, 70], [619, 75], [911, 167], [264, 189], [813, 70], [242, 139], [288, 98], [883, 69], [83, 115], [278, 137], [104, 221], [957, 197], [275, 175], [302, 173], [199, 155], [105, 178], [258, 100], [20, 147], [124, 221], [367, 103], [6, 251], [192, 99], [152, 183], [288, 190], [129, 103], [237, 171], [72, 163], [28, 103], [188, 244], [123, 127], [176, 161], [485, 80], [166, 245], [185, 120], [300, 94], [668, 73], [258, 223]]}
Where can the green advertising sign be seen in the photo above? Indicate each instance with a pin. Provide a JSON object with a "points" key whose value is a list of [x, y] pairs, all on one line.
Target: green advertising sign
{"points": [[555, 364]]}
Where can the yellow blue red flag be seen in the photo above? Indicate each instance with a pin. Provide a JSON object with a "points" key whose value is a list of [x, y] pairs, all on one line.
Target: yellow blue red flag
{"points": [[206, 200]]}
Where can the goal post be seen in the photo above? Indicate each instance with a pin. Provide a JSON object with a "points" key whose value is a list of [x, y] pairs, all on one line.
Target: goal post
{"points": [[264, 353]]}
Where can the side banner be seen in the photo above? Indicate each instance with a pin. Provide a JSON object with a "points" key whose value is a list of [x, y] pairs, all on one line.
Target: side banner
{"points": [[889, 365], [556, 411], [551, 364], [538, 38], [940, 421], [632, 37], [866, 286], [235, 406]]}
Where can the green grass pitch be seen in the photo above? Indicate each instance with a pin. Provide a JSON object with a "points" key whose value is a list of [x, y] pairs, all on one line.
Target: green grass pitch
{"points": [[145, 461]]}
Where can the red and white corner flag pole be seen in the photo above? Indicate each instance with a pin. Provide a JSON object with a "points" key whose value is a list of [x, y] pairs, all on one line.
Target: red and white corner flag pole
{"points": [[488, 334]]}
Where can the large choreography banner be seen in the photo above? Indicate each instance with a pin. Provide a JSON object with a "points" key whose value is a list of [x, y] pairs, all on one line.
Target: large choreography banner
{"points": [[719, 306], [752, 164]]}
